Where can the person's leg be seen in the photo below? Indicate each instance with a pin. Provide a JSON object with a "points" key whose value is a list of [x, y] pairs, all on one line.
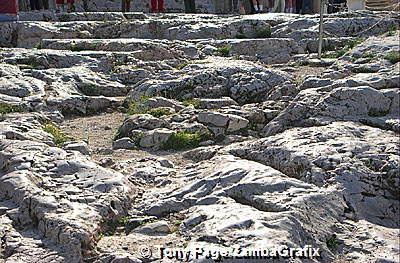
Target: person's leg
{"points": [[153, 6], [161, 6], [306, 7], [260, 5], [255, 5], [193, 5], [39, 4], [128, 5]]}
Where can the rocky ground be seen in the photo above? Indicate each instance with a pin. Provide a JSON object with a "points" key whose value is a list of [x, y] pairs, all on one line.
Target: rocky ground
{"points": [[188, 131]]}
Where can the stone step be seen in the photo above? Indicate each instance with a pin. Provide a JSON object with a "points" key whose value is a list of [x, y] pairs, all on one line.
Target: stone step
{"points": [[268, 50], [145, 49], [28, 33]]}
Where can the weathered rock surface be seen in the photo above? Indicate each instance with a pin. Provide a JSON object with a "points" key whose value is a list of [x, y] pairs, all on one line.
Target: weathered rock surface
{"points": [[288, 149]]}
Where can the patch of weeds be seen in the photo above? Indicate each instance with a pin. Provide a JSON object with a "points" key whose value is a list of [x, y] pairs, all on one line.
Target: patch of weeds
{"points": [[178, 223], [158, 112], [133, 107], [332, 242], [223, 51], [193, 102], [377, 113], [76, 48], [364, 70], [29, 63], [180, 66], [117, 135], [391, 31], [183, 140], [8, 108], [113, 225], [264, 33], [240, 36], [393, 57], [368, 55], [58, 134], [341, 52], [90, 90], [370, 164], [38, 45]]}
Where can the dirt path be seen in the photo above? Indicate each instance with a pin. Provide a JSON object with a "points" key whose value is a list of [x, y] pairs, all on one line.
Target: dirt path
{"points": [[98, 131]]}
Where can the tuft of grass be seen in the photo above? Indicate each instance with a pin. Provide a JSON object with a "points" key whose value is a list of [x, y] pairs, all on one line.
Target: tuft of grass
{"points": [[332, 242], [133, 107], [158, 112], [393, 57], [391, 31], [113, 225], [117, 135], [183, 140], [240, 36], [364, 70], [76, 48], [223, 51], [341, 52], [180, 66], [90, 90], [178, 223], [368, 55], [38, 45], [370, 164], [377, 113], [193, 102], [58, 134], [264, 32], [8, 108]]}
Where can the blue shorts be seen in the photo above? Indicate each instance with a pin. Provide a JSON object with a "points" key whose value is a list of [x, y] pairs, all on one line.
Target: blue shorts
{"points": [[7, 18]]}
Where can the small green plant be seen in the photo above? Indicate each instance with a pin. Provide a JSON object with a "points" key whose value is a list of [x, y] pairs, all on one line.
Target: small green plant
{"points": [[332, 242], [183, 140], [180, 66], [240, 36], [76, 48], [377, 113], [38, 45], [393, 57], [113, 225], [158, 112], [193, 102], [8, 108], [391, 31], [264, 32], [368, 55], [117, 135], [178, 223], [134, 108], [364, 70], [350, 45], [370, 164], [223, 51], [58, 134], [90, 90]]}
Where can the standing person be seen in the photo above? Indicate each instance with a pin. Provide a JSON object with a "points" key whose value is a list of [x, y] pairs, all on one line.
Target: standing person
{"points": [[126, 5], [8, 10], [157, 6]]}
